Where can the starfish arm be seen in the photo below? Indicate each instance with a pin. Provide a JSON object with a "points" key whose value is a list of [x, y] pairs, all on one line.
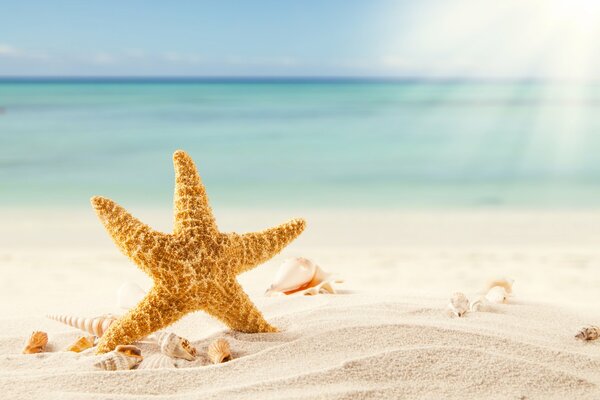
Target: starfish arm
{"points": [[193, 215], [230, 304], [157, 310], [251, 249], [135, 239]]}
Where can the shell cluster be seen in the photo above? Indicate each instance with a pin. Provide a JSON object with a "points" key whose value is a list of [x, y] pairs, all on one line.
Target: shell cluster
{"points": [[591, 332], [219, 351], [121, 358], [301, 276], [497, 291], [175, 346], [36, 343]]}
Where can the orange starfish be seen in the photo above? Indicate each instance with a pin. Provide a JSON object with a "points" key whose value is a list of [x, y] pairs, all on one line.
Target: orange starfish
{"points": [[195, 267]]}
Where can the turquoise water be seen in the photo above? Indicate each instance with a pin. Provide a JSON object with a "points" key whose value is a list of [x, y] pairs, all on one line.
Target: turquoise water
{"points": [[279, 144]]}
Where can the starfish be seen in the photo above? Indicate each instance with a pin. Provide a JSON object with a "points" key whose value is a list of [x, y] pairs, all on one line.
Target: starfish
{"points": [[194, 268]]}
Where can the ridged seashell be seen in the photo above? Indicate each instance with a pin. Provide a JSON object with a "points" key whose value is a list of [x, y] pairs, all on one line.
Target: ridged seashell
{"points": [[96, 326], [459, 304], [157, 361], [82, 343], [481, 304], [300, 276], [588, 333], [219, 351], [497, 295], [36, 343], [121, 358], [505, 283], [129, 294], [175, 346]]}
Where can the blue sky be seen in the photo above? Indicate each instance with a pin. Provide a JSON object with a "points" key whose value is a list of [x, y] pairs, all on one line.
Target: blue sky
{"points": [[427, 38]]}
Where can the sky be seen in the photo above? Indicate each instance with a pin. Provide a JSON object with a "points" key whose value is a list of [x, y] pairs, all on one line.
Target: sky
{"points": [[481, 39]]}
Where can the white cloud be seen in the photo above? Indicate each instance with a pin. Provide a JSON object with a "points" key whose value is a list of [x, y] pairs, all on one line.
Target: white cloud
{"points": [[7, 50]]}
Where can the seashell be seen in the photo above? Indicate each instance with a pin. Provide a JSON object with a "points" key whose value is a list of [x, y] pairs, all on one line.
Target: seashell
{"points": [[481, 304], [301, 276], [157, 361], [36, 343], [121, 358], [497, 295], [505, 283], [96, 326], [588, 333], [219, 351], [82, 343], [175, 346], [129, 294], [459, 304]]}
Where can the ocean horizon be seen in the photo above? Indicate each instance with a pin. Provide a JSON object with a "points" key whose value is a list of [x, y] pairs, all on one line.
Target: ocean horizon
{"points": [[315, 142]]}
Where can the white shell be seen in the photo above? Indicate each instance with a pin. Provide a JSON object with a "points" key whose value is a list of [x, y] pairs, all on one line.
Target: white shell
{"points": [[175, 346], [96, 326], [506, 283], [497, 295], [157, 361], [117, 360], [129, 295], [481, 305], [300, 276], [459, 304]]}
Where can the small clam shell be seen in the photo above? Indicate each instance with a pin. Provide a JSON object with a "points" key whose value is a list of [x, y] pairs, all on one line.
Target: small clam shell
{"points": [[497, 295], [219, 351], [157, 361], [176, 346], [459, 304], [82, 343], [36, 343], [300, 276], [588, 333]]}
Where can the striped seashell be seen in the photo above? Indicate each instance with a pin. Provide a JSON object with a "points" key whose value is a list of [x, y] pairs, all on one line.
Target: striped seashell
{"points": [[36, 343], [219, 351], [121, 358], [96, 326], [175, 346], [588, 333], [157, 361], [82, 343]]}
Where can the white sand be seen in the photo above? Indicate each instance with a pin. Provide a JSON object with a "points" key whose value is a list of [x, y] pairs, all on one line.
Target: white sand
{"points": [[386, 336]]}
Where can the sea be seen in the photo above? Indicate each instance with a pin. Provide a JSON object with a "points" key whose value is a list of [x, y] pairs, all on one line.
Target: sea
{"points": [[310, 142]]}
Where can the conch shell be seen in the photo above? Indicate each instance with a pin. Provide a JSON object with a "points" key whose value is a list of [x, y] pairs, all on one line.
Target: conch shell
{"points": [[82, 343], [588, 333], [175, 346], [219, 351], [96, 326], [459, 304], [123, 357], [37, 343], [505, 283], [301, 276], [157, 361]]}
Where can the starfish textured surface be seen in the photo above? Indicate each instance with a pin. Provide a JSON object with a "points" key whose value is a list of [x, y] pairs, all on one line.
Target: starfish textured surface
{"points": [[195, 267]]}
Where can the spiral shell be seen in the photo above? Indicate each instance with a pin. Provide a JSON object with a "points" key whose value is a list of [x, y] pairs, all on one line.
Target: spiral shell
{"points": [[175, 346], [82, 343], [301, 276], [219, 351], [459, 304], [121, 358], [497, 295], [95, 326], [157, 361], [588, 333], [36, 343]]}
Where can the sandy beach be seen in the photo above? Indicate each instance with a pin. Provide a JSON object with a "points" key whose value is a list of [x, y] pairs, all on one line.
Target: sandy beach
{"points": [[385, 335]]}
